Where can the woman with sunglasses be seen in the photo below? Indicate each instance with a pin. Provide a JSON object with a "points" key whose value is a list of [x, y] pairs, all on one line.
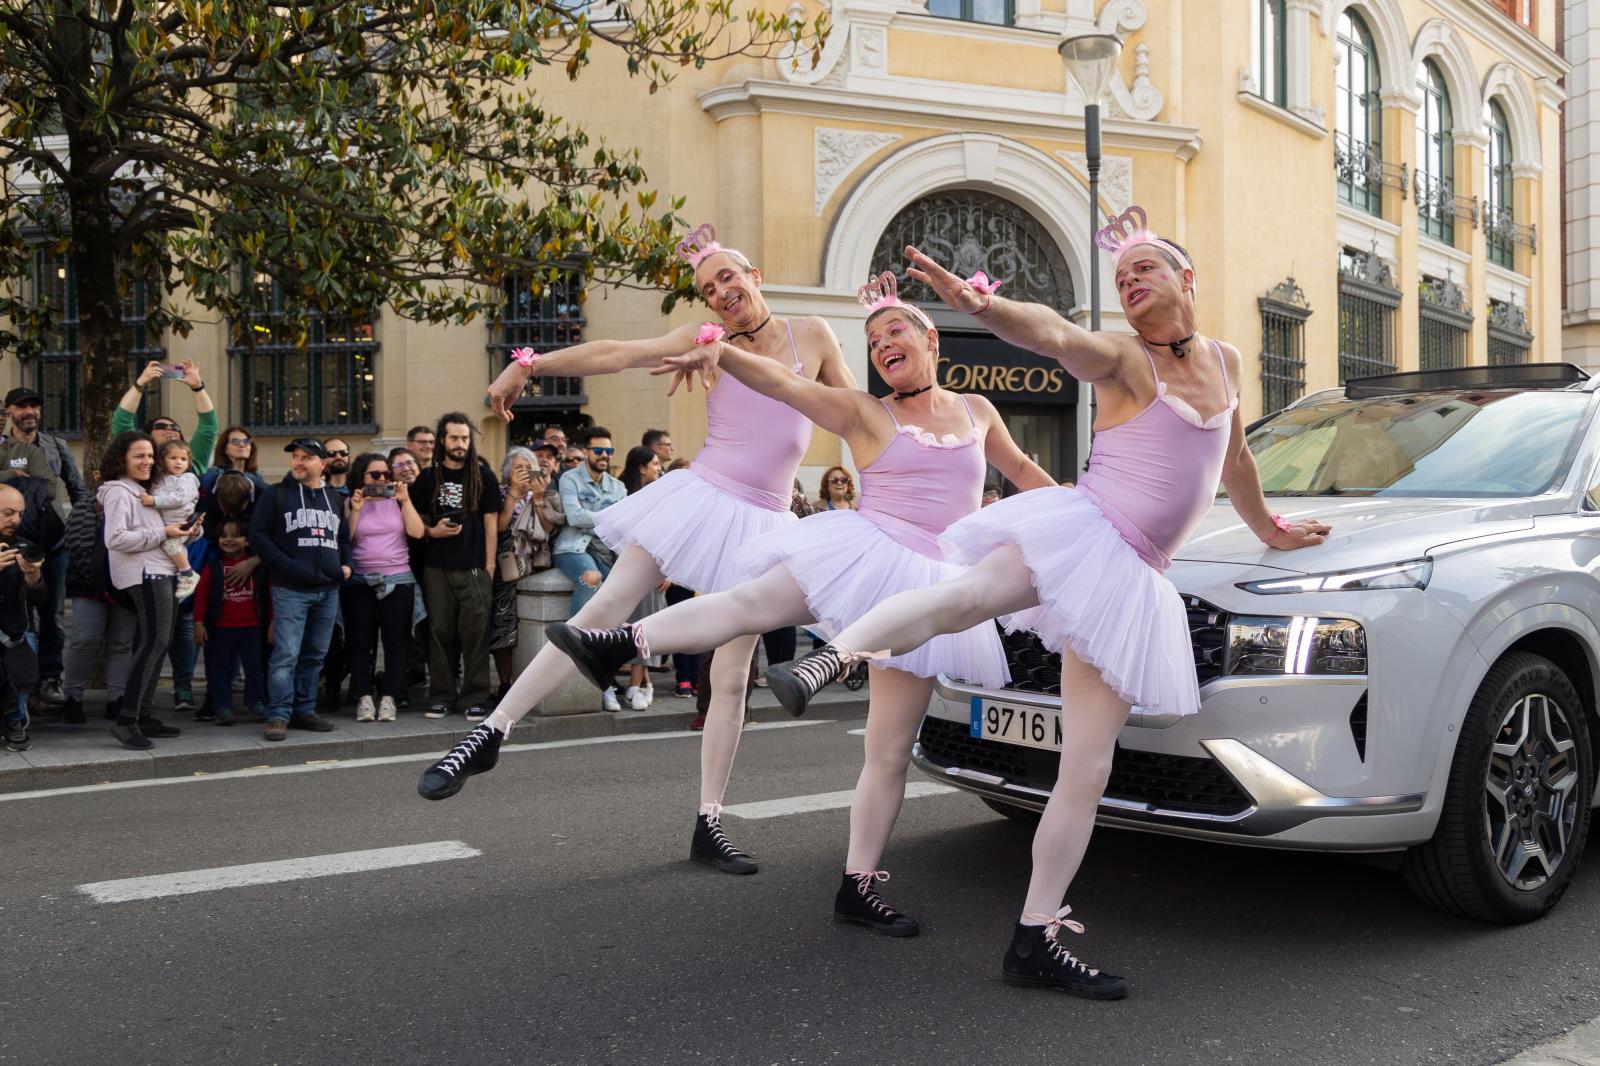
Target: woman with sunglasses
{"points": [[236, 450], [380, 599], [838, 492], [160, 430]]}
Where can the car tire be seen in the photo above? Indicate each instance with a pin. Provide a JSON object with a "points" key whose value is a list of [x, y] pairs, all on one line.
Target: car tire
{"points": [[1025, 815], [1523, 772]]}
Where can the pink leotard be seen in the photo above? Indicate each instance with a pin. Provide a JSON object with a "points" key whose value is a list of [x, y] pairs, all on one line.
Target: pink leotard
{"points": [[917, 486], [754, 443], [1155, 475]]}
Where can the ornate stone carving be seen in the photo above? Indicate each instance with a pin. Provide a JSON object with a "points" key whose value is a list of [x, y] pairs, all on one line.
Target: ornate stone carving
{"points": [[1443, 292], [1507, 316], [835, 153], [1141, 100], [1116, 178], [795, 62]]}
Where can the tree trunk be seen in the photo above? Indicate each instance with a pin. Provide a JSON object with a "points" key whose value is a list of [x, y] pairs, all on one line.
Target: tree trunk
{"points": [[101, 341]]}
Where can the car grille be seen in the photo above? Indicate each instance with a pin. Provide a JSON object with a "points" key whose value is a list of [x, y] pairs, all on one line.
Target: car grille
{"points": [[1168, 782], [1035, 668]]}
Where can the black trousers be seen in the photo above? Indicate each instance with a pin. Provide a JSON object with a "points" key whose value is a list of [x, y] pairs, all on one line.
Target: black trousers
{"points": [[369, 620], [155, 606]]}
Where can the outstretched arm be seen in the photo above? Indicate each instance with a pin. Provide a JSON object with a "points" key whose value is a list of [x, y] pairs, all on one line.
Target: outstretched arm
{"points": [[1002, 452], [1090, 357], [586, 360], [1242, 481], [837, 410]]}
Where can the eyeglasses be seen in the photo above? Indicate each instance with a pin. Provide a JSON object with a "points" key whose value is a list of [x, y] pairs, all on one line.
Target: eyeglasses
{"points": [[171, 427], [343, 453], [603, 451], [239, 442], [838, 481]]}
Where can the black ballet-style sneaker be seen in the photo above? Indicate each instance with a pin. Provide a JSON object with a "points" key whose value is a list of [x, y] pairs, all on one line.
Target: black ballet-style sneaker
{"points": [[712, 847], [597, 653], [858, 903], [475, 753], [796, 682], [1037, 959]]}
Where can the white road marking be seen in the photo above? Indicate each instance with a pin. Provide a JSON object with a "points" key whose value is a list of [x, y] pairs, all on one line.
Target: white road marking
{"points": [[266, 873], [379, 760], [822, 801], [856, 732]]}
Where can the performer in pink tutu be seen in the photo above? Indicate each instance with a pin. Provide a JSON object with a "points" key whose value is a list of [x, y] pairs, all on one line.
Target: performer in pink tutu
{"points": [[1083, 567], [688, 526], [925, 451]]}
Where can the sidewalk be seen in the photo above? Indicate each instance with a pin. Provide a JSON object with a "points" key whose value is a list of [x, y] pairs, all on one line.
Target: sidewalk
{"points": [[1579, 1046], [64, 755]]}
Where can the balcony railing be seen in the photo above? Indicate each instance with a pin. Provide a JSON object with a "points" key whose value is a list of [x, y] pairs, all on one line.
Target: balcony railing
{"points": [[1363, 173]]}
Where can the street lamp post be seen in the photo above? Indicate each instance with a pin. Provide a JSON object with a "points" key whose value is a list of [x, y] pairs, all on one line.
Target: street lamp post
{"points": [[1090, 59]]}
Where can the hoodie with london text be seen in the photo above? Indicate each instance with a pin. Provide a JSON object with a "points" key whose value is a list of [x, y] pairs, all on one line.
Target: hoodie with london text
{"points": [[301, 535]]}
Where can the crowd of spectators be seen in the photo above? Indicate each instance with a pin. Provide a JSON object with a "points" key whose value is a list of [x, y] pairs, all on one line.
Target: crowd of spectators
{"points": [[393, 569]]}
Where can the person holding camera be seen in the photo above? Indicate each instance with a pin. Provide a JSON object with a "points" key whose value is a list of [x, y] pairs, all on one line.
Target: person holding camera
{"points": [[142, 571], [380, 600], [299, 531], [21, 590]]}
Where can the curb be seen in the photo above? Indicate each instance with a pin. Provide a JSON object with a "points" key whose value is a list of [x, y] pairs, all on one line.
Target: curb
{"points": [[1579, 1046], [65, 756]]}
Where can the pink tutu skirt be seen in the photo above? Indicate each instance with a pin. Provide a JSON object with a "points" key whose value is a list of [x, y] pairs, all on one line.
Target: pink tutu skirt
{"points": [[692, 529], [846, 565], [1096, 596]]}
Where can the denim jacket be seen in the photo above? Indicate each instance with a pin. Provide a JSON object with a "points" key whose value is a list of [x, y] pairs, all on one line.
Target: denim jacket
{"points": [[582, 498]]}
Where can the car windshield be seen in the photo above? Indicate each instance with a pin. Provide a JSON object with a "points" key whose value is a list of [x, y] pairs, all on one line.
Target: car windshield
{"points": [[1432, 444]]}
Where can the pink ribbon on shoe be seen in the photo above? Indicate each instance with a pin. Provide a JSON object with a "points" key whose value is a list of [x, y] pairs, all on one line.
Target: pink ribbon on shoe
{"points": [[526, 357], [709, 333], [980, 283]]}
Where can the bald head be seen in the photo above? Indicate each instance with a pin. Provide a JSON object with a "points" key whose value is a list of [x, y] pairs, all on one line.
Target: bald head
{"points": [[12, 506]]}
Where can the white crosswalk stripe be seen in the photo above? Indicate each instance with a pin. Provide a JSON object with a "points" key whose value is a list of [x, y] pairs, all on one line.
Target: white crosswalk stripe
{"points": [[822, 801]]}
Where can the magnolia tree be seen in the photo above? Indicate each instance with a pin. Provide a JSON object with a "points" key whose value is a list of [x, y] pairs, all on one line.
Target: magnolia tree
{"points": [[362, 154]]}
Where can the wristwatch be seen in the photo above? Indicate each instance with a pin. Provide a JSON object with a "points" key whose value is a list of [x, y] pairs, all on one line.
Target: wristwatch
{"points": [[198, 388]]}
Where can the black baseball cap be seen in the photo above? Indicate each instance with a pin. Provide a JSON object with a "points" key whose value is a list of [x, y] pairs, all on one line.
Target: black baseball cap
{"points": [[309, 445], [22, 395], [545, 446]]}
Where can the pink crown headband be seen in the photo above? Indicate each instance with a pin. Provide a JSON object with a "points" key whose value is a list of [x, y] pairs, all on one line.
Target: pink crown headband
{"points": [[883, 290], [701, 242], [1131, 228]]}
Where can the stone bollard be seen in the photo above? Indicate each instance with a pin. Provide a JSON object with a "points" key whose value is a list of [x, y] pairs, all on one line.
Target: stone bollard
{"points": [[543, 598]]}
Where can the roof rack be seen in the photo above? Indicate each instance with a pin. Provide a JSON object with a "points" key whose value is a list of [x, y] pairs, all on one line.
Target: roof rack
{"points": [[1521, 376]]}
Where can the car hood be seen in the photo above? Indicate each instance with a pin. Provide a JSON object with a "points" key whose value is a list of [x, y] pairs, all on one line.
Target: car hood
{"points": [[1366, 530]]}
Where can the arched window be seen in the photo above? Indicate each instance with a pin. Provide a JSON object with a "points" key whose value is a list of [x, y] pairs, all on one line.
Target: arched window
{"points": [[1358, 117], [1272, 51], [1435, 182], [1497, 214], [966, 231]]}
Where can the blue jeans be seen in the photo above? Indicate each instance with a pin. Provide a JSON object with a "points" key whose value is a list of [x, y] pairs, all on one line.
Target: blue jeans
{"points": [[52, 616], [574, 565], [302, 626]]}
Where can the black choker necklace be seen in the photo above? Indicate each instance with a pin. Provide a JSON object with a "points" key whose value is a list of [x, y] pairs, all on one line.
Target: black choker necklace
{"points": [[751, 333], [1177, 346], [913, 392]]}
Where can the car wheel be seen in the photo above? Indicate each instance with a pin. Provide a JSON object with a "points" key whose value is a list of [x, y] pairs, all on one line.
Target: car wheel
{"points": [[1025, 815], [1516, 809]]}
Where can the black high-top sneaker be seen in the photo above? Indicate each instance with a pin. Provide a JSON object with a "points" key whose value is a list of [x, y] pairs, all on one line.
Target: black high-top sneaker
{"points": [[794, 683], [475, 753], [858, 903], [1037, 959], [712, 846], [597, 653]]}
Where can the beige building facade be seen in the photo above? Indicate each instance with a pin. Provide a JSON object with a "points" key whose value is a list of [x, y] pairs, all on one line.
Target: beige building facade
{"points": [[1364, 185]]}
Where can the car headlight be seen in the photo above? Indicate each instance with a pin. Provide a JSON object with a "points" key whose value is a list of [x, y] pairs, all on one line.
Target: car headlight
{"points": [[1408, 575], [1261, 644]]}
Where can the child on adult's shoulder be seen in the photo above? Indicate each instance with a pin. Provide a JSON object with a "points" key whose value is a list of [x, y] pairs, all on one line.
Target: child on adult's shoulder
{"points": [[176, 494], [231, 622]]}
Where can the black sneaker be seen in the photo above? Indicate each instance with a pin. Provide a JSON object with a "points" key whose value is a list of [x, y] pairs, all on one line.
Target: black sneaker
{"points": [[476, 753], [204, 713], [155, 727], [712, 847], [17, 735], [113, 709], [437, 710], [127, 731], [858, 903], [72, 712], [598, 653], [794, 683], [1037, 959]]}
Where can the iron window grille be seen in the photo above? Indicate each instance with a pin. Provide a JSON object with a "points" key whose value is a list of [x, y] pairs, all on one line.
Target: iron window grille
{"points": [[1434, 180], [545, 316], [58, 366], [1358, 120], [1368, 299], [992, 12], [1510, 339], [970, 231], [321, 380], [1497, 200], [1444, 325], [1284, 311]]}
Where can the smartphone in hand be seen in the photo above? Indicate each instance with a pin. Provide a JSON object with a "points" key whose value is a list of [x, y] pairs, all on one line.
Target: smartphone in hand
{"points": [[172, 371]]}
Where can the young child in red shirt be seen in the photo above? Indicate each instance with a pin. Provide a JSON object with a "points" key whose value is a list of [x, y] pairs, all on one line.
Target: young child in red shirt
{"points": [[230, 622]]}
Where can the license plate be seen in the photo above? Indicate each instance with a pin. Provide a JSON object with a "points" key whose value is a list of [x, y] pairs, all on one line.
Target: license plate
{"points": [[1009, 724]]}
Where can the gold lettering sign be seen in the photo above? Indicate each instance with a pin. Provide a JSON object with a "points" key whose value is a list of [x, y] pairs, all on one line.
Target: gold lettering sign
{"points": [[989, 377]]}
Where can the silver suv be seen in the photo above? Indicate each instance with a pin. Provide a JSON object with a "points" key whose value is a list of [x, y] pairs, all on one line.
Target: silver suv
{"points": [[1423, 684]]}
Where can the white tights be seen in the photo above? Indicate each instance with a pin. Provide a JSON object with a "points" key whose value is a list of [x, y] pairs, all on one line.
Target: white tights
{"points": [[1002, 584]]}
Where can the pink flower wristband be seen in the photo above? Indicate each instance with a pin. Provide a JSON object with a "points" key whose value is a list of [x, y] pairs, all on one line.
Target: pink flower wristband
{"points": [[525, 357], [1283, 523]]}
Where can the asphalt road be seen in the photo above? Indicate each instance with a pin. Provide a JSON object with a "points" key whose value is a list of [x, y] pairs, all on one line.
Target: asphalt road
{"points": [[578, 933]]}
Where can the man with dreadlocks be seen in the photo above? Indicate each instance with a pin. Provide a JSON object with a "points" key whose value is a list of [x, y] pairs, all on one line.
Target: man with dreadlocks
{"points": [[460, 502]]}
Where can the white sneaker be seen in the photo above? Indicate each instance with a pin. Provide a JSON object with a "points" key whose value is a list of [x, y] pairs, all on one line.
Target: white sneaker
{"points": [[649, 694], [365, 711], [637, 699], [188, 581], [386, 711], [608, 700]]}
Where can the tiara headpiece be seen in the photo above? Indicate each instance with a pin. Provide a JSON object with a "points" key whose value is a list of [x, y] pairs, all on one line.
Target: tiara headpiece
{"points": [[701, 242], [883, 290], [1131, 228]]}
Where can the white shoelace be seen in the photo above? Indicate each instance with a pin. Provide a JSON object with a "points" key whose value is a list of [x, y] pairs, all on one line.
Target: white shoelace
{"points": [[469, 746], [631, 632], [718, 837], [1052, 933]]}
